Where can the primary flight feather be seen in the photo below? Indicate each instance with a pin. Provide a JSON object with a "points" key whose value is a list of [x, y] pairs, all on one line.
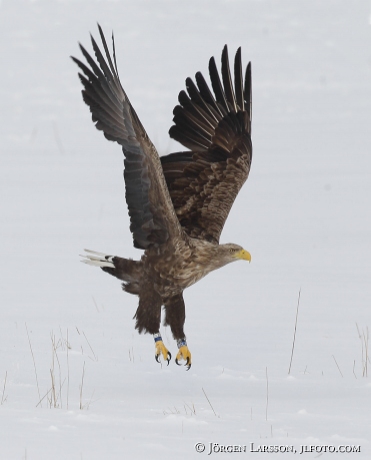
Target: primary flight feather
{"points": [[177, 203]]}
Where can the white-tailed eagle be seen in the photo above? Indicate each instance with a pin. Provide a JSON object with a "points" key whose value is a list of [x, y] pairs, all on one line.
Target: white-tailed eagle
{"points": [[177, 203]]}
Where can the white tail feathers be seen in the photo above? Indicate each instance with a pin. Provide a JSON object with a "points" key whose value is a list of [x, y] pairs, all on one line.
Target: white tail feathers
{"points": [[97, 259]]}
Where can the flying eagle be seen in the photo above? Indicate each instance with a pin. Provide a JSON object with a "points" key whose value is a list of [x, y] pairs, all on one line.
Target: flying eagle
{"points": [[177, 203]]}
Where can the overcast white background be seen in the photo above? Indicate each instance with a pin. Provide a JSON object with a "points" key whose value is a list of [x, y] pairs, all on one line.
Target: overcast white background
{"points": [[304, 215]]}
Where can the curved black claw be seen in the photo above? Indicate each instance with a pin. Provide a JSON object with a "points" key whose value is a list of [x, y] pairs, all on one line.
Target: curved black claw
{"points": [[188, 364], [168, 359]]}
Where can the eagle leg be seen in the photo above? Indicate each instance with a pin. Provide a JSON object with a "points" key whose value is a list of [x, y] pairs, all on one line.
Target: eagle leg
{"points": [[183, 353], [160, 349]]}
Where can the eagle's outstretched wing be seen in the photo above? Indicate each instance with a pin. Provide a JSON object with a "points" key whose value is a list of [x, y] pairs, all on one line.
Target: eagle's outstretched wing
{"points": [[152, 216], [205, 181]]}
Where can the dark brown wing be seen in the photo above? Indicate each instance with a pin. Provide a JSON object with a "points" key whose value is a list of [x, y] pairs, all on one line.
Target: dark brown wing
{"points": [[152, 216], [204, 182]]}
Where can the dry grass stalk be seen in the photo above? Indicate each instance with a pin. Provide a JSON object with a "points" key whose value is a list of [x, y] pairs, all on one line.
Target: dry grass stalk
{"points": [[82, 385], [208, 400], [266, 406], [34, 364], [338, 366], [3, 397], [296, 322]]}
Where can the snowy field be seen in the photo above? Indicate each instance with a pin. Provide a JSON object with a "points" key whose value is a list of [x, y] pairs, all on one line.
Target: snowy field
{"points": [[76, 380]]}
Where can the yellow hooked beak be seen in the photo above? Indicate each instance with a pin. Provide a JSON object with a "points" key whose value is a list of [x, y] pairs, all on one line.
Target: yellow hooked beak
{"points": [[244, 255]]}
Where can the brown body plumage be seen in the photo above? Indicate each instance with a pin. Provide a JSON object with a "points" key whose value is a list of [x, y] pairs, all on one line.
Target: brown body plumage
{"points": [[178, 203]]}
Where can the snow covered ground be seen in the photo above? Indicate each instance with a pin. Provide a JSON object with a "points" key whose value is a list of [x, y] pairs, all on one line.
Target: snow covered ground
{"points": [[304, 215]]}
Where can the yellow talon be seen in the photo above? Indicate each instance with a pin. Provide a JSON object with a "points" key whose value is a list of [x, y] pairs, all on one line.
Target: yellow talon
{"points": [[162, 350], [184, 354]]}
